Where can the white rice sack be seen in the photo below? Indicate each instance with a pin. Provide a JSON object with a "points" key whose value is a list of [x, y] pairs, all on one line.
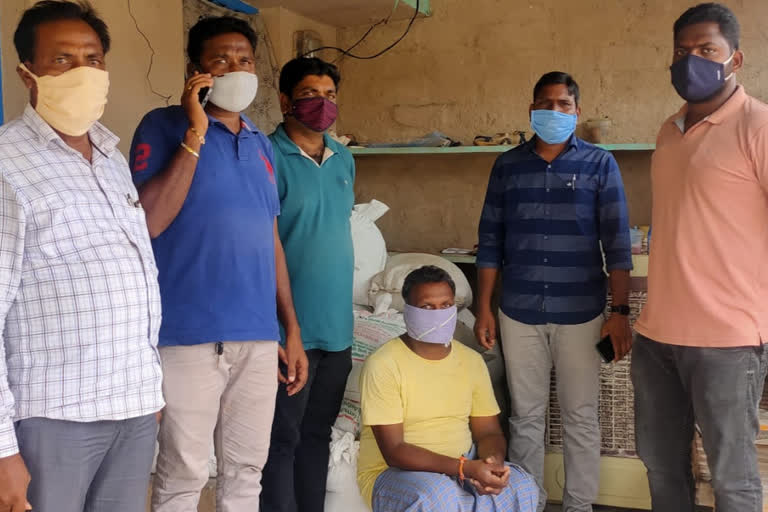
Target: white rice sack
{"points": [[370, 332], [370, 248], [342, 463], [387, 286], [342, 492]]}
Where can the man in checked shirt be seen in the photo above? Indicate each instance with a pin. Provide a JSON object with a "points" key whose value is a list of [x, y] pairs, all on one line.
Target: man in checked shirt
{"points": [[80, 377]]}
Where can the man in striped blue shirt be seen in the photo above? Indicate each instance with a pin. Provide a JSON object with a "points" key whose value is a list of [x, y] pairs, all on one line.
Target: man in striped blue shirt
{"points": [[551, 204]]}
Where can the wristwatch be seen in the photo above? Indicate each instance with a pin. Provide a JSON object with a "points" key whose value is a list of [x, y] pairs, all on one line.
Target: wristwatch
{"points": [[621, 309]]}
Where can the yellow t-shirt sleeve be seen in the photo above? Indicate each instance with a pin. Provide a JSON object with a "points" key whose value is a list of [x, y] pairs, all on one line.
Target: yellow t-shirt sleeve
{"points": [[483, 399], [381, 401]]}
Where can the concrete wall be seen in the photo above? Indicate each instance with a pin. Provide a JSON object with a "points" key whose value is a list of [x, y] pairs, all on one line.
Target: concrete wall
{"points": [[467, 70], [163, 22], [436, 200], [14, 96], [130, 96], [470, 69], [282, 24]]}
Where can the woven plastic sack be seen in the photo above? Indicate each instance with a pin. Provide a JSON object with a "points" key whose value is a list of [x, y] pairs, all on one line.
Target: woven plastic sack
{"points": [[387, 286]]}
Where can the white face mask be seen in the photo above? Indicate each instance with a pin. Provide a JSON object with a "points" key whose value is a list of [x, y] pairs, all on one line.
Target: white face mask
{"points": [[72, 101], [234, 91]]}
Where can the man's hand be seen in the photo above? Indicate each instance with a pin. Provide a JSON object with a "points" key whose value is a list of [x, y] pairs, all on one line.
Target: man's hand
{"points": [[191, 102], [617, 326], [14, 480], [489, 476], [485, 328], [295, 360]]}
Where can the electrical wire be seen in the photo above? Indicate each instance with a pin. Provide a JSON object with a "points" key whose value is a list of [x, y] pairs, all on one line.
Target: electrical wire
{"points": [[167, 99], [359, 41], [348, 53], [364, 36]]}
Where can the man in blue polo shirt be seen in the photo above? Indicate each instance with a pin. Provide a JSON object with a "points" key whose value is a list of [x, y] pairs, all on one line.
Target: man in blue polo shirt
{"points": [[550, 205], [315, 178], [206, 180]]}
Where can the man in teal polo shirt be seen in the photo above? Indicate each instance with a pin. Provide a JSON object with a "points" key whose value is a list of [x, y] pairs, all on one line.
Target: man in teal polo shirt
{"points": [[315, 179]]}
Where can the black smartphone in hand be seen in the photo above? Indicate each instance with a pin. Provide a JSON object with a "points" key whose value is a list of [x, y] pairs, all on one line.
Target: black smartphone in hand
{"points": [[605, 348], [203, 95], [205, 92]]}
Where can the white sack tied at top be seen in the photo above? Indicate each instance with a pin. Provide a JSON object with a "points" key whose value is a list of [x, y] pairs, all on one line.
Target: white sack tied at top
{"points": [[369, 246]]}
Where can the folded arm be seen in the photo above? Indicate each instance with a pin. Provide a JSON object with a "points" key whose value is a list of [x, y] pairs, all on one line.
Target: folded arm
{"points": [[408, 457], [488, 474]]}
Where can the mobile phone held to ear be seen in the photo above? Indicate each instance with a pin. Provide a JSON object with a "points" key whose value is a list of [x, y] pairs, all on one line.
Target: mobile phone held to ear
{"points": [[605, 348], [203, 95], [205, 92]]}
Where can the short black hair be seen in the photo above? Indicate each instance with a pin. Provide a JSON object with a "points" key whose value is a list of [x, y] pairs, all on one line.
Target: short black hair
{"points": [[557, 78], [211, 26], [295, 70], [712, 12], [423, 275], [47, 11]]}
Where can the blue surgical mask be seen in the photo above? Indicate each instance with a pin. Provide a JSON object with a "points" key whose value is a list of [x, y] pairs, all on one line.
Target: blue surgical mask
{"points": [[553, 127], [697, 79]]}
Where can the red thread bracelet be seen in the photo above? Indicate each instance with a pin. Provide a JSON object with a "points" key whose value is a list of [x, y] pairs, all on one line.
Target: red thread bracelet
{"points": [[462, 460]]}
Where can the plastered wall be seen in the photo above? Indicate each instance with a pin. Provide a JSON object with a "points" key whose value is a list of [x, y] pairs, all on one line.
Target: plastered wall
{"points": [[282, 23], [435, 201], [128, 62], [467, 70], [470, 69]]}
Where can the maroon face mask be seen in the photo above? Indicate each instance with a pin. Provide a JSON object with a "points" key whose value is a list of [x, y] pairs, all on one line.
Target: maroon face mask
{"points": [[317, 113]]}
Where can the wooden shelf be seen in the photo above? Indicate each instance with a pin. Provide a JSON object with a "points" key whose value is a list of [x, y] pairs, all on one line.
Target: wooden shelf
{"points": [[360, 151], [459, 258]]}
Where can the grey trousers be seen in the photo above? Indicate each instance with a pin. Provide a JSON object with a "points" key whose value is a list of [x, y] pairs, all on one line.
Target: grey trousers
{"points": [[530, 351], [101, 466], [720, 390]]}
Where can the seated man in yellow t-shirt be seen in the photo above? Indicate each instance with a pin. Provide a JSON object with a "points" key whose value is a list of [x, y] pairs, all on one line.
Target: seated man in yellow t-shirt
{"points": [[426, 401]]}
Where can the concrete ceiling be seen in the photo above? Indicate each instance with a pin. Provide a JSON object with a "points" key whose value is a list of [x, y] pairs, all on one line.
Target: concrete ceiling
{"points": [[342, 13]]}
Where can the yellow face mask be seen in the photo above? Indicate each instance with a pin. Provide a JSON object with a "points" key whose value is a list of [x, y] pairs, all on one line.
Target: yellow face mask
{"points": [[72, 101]]}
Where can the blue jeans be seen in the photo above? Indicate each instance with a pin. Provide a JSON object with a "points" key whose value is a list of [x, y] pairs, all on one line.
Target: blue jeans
{"points": [[101, 466], [717, 388]]}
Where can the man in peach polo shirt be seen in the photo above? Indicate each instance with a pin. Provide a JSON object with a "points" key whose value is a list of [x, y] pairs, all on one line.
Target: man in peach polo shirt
{"points": [[699, 354]]}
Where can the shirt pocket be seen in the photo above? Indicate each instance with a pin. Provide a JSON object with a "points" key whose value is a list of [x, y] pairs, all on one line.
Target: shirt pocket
{"points": [[135, 221], [578, 191]]}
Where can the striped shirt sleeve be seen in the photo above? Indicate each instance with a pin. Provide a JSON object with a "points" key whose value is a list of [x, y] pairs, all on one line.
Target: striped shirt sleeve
{"points": [[12, 228], [490, 250], [614, 218]]}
